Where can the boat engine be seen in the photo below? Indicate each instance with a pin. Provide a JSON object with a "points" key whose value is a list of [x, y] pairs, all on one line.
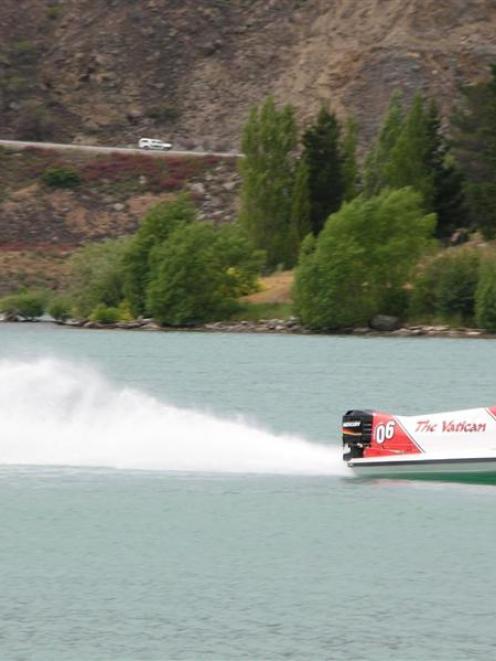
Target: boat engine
{"points": [[357, 433]]}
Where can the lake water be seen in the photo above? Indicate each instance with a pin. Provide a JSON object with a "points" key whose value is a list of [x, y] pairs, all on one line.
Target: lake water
{"points": [[182, 496]]}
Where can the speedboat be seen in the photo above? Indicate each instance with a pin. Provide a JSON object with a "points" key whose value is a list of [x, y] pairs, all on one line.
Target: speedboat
{"points": [[453, 446]]}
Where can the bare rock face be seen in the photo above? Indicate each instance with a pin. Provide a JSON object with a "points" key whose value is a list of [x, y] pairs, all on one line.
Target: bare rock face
{"points": [[117, 70]]}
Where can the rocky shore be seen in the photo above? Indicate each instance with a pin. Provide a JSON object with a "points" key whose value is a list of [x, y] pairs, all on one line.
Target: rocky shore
{"points": [[380, 326], [287, 326]]}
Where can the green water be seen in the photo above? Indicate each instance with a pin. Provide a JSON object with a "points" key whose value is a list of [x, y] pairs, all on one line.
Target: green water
{"points": [[207, 563]]}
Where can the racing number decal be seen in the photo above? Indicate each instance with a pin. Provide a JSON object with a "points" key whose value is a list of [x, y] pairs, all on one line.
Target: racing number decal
{"points": [[385, 432]]}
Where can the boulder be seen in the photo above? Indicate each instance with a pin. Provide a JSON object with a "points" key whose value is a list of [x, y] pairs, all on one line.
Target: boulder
{"points": [[384, 322]]}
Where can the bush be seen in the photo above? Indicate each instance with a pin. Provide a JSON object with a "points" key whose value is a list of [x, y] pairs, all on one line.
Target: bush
{"points": [[160, 221], [35, 122], [361, 261], [485, 295], [198, 273], [163, 113], [61, 177], [446, 286], [59, 309], [97, 276], [25, 305], [104, 314], [24, 52]]}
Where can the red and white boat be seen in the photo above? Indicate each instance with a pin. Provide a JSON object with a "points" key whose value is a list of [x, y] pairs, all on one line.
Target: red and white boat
{"points": [[456, 446]]}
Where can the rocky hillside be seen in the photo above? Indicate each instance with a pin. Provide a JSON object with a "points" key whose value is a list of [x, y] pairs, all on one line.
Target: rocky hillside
{"points": [[41, 224], [110, 71]]}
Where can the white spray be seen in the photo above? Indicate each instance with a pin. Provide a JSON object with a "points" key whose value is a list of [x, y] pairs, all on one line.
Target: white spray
{"points": [[59, 414]]}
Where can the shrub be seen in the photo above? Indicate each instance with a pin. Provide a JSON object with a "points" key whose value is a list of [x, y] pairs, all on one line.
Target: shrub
{"points": [[160, 221], [104, 314], [163, 113], [446, 286], [25, 305], [24, 52], [198, 273], [485, 295], [61, 177], [54, 12], [59, 308], [362, 259], [125, 313], [97, 276], [35, 122]]}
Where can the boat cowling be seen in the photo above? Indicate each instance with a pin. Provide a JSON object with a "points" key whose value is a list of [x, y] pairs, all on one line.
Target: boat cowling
{"points": [[357, 432]]}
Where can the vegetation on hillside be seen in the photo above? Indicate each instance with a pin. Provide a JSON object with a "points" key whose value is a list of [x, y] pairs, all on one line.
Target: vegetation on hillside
{"points": [[174, 268], [371, 239]]}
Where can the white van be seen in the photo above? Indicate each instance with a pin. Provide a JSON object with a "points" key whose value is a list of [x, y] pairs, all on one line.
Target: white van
{"points": [[148, 143]]}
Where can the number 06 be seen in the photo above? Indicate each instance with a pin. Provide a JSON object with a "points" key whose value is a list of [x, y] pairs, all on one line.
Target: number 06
{"points": [[385, 432]]}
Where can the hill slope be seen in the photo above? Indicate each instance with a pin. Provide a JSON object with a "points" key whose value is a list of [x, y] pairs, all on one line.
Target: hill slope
{"points": [[112, 71]]}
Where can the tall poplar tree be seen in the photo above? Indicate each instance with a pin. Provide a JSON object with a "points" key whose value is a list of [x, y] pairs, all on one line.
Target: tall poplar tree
{"points": [[268, 142], [409, 162], [376, 175], [300, 208], [322, 153], [413, 152]]}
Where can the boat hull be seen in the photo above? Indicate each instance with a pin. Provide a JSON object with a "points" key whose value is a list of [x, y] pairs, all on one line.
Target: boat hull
{"points": [[476, 470]]}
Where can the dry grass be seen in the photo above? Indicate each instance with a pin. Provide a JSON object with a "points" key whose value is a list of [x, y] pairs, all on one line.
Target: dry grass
{"points": [[275, 288]]}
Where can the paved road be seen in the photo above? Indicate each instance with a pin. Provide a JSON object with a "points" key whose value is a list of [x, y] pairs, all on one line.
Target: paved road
{"points": [[17, 144]]}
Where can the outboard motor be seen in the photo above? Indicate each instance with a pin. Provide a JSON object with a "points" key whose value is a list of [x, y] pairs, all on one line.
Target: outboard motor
{"points": [[357, 433]]}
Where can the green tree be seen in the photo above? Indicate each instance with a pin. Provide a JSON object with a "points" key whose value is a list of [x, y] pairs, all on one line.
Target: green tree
{"points": [[448, 201], [474, 133], [351, 173], [412, 151], [97, 276], [157, 225], [409, 162], [322, 154], [362, 260], [445, 285], [199, 272], [485, 295], [238, 260], [376, 175], [300, 224], [267, 169]]}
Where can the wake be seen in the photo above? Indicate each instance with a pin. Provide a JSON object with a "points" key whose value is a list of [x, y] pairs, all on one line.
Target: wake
{"points": [[55, 413]]}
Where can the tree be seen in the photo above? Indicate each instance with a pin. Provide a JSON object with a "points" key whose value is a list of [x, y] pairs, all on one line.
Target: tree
{"points": [[362, 260], [376, 174], [199, 272], [409, 162], [448, 201], [300, 224], [269, 138], [485, 295], [322, 154], [412, 151], [97, 275], [445, 285], [351, 175], [160, 221], [474, 133]]}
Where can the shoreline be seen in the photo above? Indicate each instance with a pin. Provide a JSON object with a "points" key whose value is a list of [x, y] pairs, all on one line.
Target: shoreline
{"points": [[272, 326]]}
